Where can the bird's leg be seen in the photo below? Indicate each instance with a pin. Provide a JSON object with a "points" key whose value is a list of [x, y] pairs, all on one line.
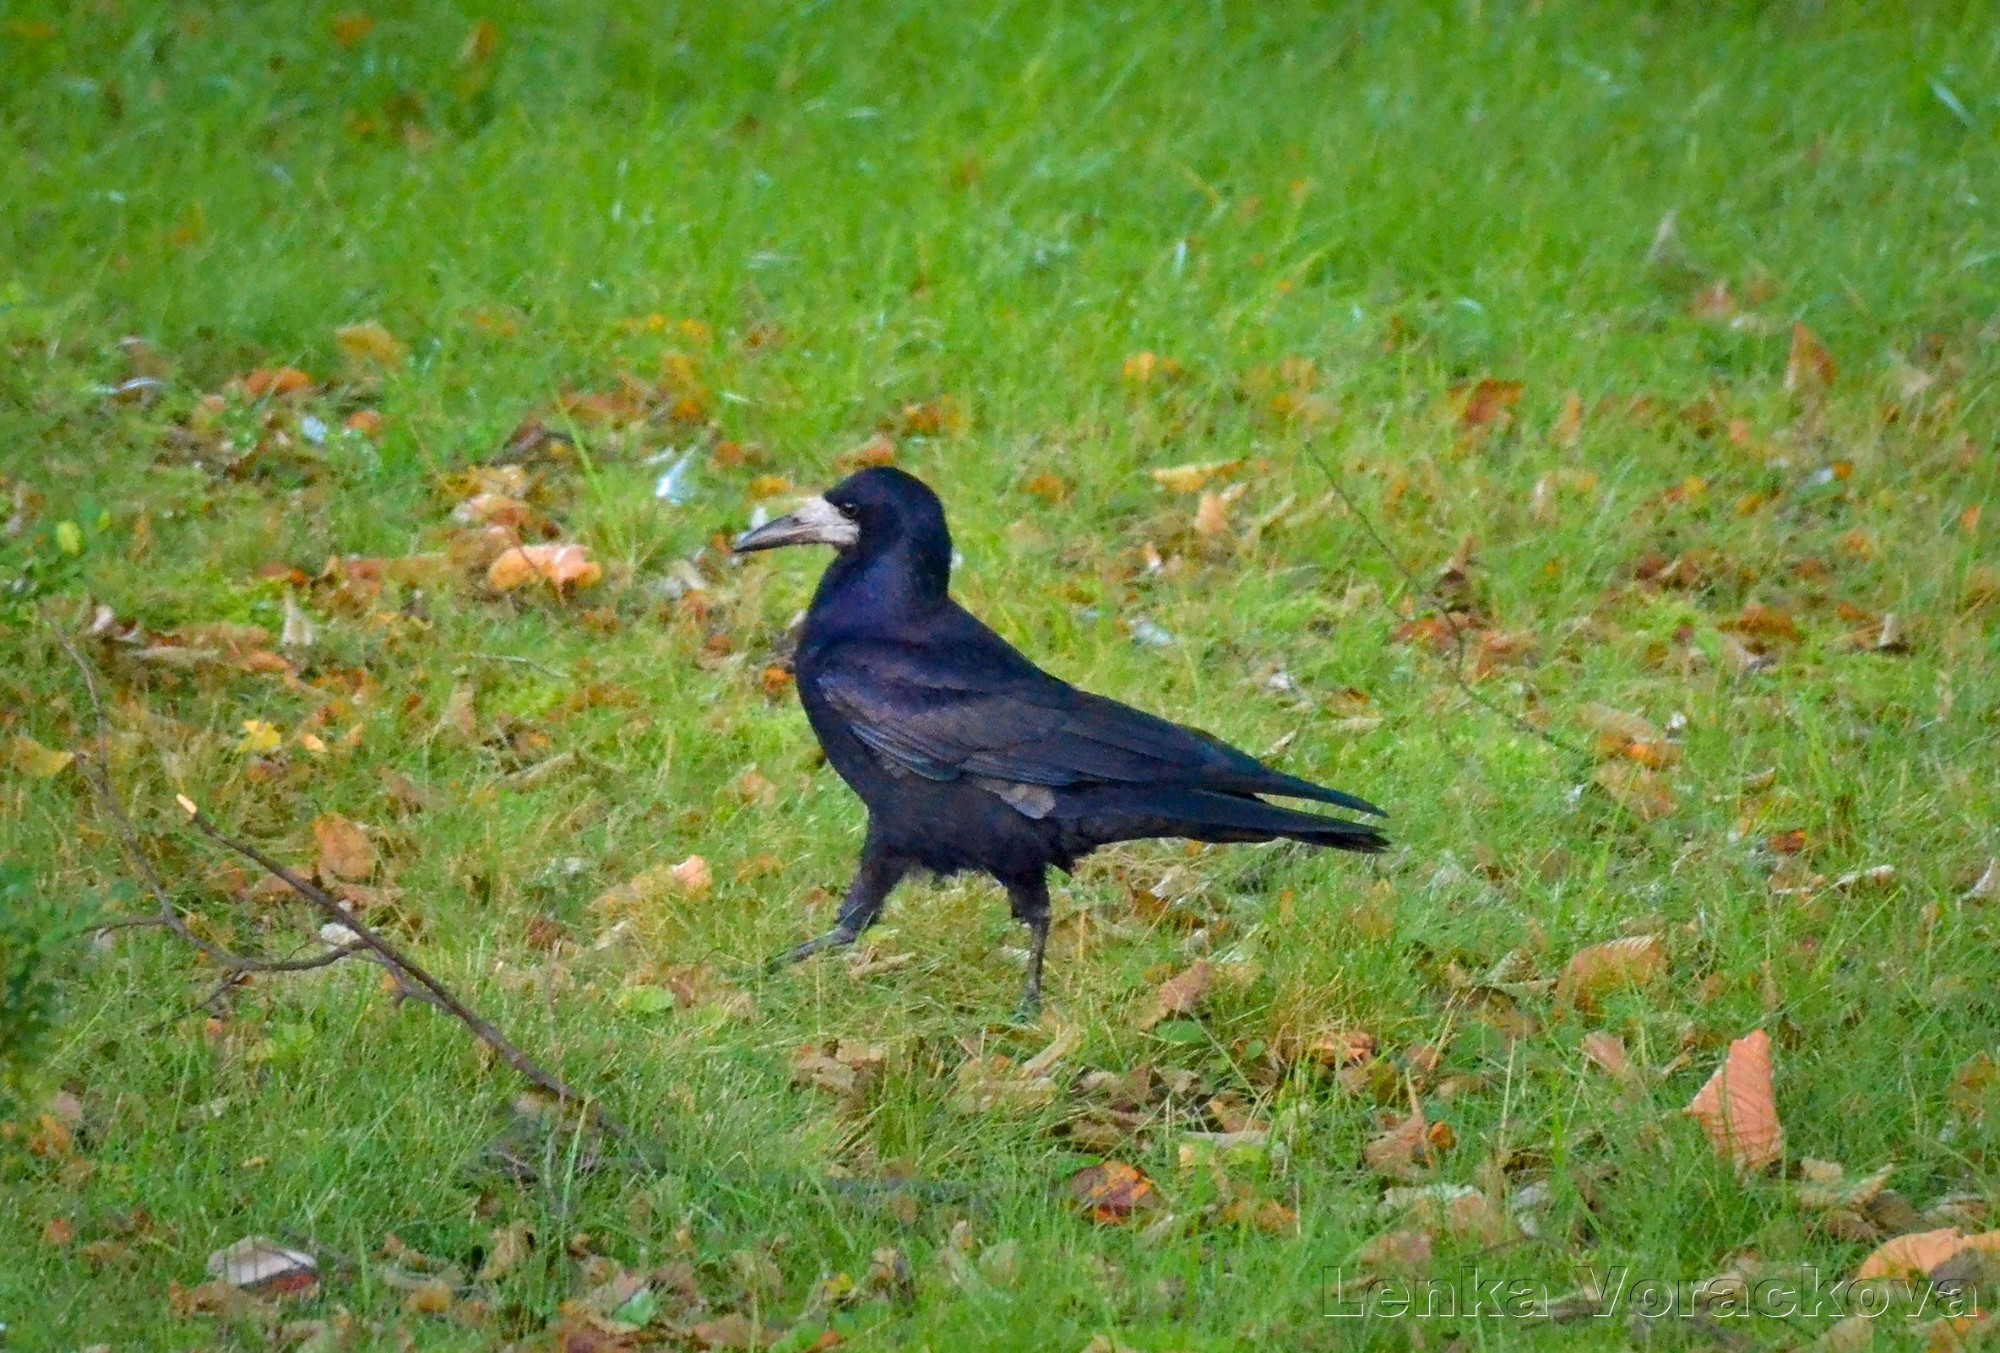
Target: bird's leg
{"points": [[878, 874], [1030, 903]]}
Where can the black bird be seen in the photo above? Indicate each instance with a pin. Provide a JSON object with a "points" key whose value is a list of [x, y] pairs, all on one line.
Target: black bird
{"points": [[971, 757]]}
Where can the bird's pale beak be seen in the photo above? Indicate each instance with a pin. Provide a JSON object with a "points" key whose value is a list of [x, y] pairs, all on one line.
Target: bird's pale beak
{"points": [[816, 522]]}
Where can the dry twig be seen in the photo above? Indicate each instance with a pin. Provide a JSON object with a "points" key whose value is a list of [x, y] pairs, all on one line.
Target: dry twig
{"points": [[412, 977]]}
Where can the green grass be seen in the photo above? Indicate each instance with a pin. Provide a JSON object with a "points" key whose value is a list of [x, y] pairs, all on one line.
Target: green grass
{"points": [[865, 208]]}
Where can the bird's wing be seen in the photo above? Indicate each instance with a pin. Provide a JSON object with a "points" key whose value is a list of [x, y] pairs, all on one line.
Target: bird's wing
{"points": [[943, 715]]}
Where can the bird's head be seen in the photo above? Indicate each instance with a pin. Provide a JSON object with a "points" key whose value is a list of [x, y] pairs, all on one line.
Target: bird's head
{"points": [[870, 512]]}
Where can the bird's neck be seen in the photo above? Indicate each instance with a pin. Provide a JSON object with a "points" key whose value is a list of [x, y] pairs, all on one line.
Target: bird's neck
{"points": [[881, 592]]}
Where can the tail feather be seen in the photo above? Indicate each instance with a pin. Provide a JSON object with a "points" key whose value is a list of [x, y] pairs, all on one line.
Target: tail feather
{"points": [[1208, 815]]}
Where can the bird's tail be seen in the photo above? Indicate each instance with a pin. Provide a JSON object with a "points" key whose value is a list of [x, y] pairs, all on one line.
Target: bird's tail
{"points": [[1206, 815]]}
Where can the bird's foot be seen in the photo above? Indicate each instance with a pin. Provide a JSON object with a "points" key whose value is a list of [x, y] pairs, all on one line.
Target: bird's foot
{"points": [[838, 937], [1029, 1011]]}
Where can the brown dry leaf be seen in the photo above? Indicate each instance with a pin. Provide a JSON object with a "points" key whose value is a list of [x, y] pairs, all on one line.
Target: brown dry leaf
{"points": [[1741, 659], [1196, 477], [1824, 1186], [1737, 1108], [1405, 1253], [1639, 791], [1113, 1193], [692, 878], [733, 1330], [1180, 994], [1810, 368], [506, 1248], [846, 1068], [344, 852], [37, 762], [1395, 1152], [1632, 961], [370, 342], [1911, 1256], [493, 509], [1616, 728], [58, 1232], [1763, 621], [1211, 518], [1608, 1051], [432, 1296], [560, 566], [1486, 403]]}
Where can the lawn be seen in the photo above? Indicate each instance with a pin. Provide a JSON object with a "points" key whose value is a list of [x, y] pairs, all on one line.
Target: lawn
{"points": [[1578, 436]]}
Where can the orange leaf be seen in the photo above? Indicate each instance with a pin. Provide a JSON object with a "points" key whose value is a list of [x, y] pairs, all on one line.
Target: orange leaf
{"points": [[344, 853], [1395, 1151], [1737, 1108], [1629, 962], [285, 380], [1195, 478], [1911, 1256], [1810, 368], [1486, 402], [560, 566], [1568, 430], [1112, 1192]]}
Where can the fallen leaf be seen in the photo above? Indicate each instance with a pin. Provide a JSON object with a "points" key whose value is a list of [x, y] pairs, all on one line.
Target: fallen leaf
{"points": [[848, 1069], [1180, 994], [32, 759], [259, 738], [432, 1296], [506, 1248], [1632, 961], [370, 342], [1639, 791], [1395, 1151], [58, 1232], [560, 566], [262, 1266], [1405, 1253], [732, 1330], [1608, 1051], [1113, 1192], [281, 382], [1737, 1109], [877, 450], [1810, 368], [344, 852], [367, 422], [1211, 518], [1824, 1186], [1487, 403], [1911, 1256], [1617, 728], [1194, 478]]}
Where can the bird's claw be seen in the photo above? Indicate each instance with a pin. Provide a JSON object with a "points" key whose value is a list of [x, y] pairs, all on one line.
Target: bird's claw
{"points": [[836, 938]]}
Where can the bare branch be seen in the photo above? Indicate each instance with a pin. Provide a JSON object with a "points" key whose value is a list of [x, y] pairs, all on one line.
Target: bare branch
{"points": [[406, 966], [411, 978]]}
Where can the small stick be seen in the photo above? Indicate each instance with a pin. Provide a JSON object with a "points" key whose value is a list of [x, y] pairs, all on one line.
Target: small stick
{"points": [[405, 970], [404, 965]]}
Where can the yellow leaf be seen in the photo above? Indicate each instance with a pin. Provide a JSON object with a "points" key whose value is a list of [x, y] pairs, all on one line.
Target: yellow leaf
{"points": [[69, 538], [259, 738], [1194, 478], [370, 342], [32, 759]]}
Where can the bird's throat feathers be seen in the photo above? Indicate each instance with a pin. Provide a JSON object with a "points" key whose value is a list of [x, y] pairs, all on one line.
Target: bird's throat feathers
{"points": [[890, 575]]}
